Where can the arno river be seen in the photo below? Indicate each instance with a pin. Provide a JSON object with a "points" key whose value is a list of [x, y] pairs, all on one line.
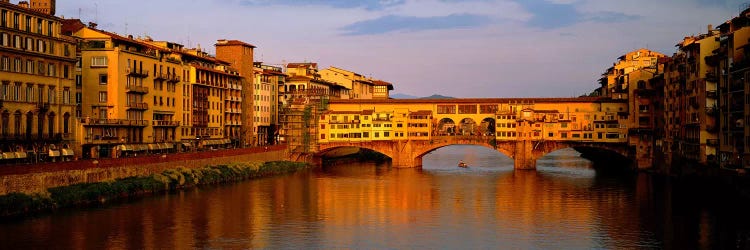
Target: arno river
{"points": [[565, 204]]}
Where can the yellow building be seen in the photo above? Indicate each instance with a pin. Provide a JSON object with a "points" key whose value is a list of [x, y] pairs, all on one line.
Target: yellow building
{"points": [[214, 116], [382, 89], [36, 65], [731, 64], [690, 97], [356, 85], [129, 93], [268, 80], [614, 82], [553, 119]]}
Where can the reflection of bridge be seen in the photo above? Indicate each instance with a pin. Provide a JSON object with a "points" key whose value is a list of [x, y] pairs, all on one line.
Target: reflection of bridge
{"points": [[523, 129]]}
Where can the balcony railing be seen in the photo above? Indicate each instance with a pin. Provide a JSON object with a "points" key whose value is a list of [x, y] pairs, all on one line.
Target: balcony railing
{"points": [[137, 105], [137, 73], [711, 77], [712, 142], [165, 123], [711, 94], [136, 89], [42, 106], [173, 78], [112, 122], [160, 76]]}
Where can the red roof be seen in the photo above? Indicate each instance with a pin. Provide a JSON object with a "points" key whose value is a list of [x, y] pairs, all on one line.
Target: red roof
{"points": [[302, 65], [233, 43]]}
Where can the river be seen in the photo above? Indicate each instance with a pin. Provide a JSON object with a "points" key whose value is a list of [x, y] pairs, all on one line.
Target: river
{"points": [[565, 204]]}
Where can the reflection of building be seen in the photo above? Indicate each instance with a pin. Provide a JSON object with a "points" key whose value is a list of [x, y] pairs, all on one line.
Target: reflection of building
{"points": [[37, 86]]}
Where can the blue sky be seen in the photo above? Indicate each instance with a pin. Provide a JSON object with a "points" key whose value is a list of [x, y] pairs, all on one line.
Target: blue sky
{"points": [[462, 48]]}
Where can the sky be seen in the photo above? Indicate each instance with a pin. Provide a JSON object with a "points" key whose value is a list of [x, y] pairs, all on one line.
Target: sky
{"points": [[459, 48]]}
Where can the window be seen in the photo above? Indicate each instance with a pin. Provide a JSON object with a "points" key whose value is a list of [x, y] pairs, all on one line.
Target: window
{"points": [[5, 64], [30, 93], [4, 18], [50, 28], [28, 23], [99, 61], [39, 26], [52, 95], [66, 96], [17, 65], [103, 96], [51, 70], [4, 39], [16, 23], [103, 79], [29, 67]]}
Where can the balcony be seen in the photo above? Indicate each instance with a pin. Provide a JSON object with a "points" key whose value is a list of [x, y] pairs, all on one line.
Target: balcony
{"points": [[173, 78], [711, 77], [165, 123], [711, 94], [160, 76], [137, 73], [712, 111], [137, 106], [136, 89], [112, 122], [712, 142], [42, 106]]}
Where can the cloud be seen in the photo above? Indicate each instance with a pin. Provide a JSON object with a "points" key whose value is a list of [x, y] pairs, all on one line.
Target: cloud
{"points": [[550, 15], [392, 23], [366, 4], [611, 17]]}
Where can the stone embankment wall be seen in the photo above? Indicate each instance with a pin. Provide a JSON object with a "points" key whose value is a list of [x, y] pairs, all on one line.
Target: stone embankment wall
{"points": [[38, 178]]}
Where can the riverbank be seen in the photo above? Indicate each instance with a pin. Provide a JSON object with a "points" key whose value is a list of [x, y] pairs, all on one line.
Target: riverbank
{"points": [[16, 205]]}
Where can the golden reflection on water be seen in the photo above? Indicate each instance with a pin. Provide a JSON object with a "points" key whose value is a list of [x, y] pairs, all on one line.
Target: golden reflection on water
{"points": [[564, 204]]}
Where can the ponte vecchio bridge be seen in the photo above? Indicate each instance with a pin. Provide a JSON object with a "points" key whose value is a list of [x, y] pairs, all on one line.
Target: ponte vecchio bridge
{"points": [[524, 129]]}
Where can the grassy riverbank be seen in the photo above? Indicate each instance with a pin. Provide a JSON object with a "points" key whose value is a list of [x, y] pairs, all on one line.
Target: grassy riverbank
{"points": [[88, 194]]}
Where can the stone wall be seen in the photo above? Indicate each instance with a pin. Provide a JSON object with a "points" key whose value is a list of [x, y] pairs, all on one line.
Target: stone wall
{"points": [[38, 178]]}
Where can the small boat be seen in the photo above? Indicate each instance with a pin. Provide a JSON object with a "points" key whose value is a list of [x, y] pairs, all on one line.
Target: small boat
{"points": [[462, 165]]}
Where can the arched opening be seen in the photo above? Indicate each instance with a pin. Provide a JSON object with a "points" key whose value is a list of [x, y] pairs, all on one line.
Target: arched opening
{"points": [[66, 123], [337, 155], [476, 157], [468, 126], [40, 126], [487, 127], [446, 126], [6, 124], [51, 125], [29, 124], [17, 123], [582, 160]]}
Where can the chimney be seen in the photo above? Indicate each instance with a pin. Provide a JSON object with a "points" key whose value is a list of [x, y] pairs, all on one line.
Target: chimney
{"points": [[710, 28], [92, 25], [23, 4]]}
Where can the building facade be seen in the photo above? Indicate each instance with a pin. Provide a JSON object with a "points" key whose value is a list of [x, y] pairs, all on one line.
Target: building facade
{"points": [[37, 64], [240, 56]]}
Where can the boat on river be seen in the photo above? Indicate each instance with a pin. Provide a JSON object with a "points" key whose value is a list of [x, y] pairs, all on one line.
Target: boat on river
{"points": [[462, 165]]}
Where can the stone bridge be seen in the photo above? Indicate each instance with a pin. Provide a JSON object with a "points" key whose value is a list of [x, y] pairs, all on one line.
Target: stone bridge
{"points": [[525, 153]]}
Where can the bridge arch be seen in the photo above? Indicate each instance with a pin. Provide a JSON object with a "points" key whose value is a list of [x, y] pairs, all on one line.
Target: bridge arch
{"points": [[437, 144], [467, 126], [609, 152], [322, 152], [446, 126], [487, 126]]}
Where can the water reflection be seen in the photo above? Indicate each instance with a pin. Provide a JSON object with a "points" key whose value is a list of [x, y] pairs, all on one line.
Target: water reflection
{"points": [[566, 203]]}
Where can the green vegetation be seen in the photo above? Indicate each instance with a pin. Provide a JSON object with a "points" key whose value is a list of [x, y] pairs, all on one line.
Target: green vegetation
{"points": [[87, 194]]}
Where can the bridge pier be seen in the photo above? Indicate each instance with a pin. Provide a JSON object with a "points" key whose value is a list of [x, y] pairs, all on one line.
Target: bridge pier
{"points": [[524, 155], [406, 161]]}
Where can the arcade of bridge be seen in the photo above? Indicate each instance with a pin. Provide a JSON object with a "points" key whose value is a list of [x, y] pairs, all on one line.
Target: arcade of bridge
{"points": [[406, 129]]}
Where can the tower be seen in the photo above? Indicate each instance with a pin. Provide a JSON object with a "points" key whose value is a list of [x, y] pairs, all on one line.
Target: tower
{"points": [[44, 6]]}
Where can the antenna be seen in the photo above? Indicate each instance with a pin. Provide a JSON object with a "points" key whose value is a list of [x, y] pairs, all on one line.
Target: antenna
{"points": [[96, 11]]}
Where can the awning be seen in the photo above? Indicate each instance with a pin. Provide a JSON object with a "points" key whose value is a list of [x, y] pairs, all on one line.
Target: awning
{"points": [[67, 152], [20, 155], [9, 155], [53, 153], [187, 144], [153, 146], [168, 145]]}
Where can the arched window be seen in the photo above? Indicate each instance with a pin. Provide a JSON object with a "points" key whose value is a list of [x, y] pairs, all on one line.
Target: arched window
{"points": [[66, 123], [6, 123], [29, 124], [17, 123], [51, 125], [40, 126]]}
